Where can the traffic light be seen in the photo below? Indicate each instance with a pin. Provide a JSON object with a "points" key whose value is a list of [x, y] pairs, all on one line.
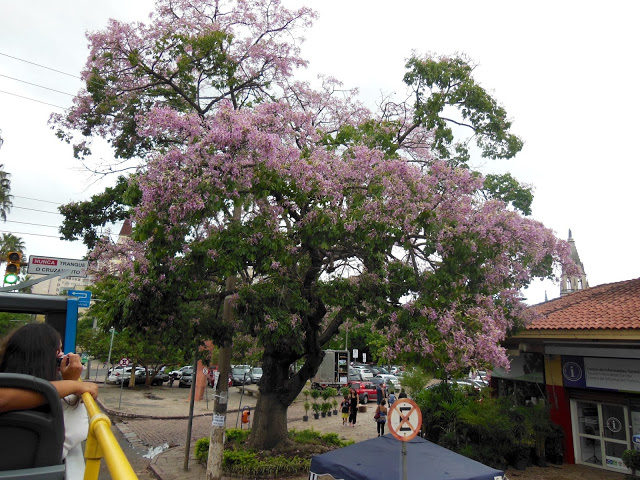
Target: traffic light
{"points": [[12, 272]]}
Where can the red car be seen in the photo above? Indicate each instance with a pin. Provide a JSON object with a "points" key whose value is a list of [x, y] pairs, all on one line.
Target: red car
{"points": [[366, 390]]}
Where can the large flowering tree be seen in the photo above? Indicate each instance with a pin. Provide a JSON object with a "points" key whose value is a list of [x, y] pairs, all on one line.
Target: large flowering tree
{"points": [[322, 211]]}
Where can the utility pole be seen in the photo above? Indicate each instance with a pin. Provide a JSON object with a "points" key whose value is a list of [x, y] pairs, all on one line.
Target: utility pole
{"points": [[220, 399], [216, 438]]}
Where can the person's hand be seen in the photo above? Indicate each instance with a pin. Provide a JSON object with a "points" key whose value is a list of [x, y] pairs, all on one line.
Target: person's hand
{"points": [[87, 387], [71, 367]]}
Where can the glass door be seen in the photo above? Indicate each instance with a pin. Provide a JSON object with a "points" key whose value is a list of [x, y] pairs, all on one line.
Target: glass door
{"points": [[600, 434]]}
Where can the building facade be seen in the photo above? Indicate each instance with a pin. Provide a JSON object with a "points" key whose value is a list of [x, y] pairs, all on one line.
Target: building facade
{"points": [[582, 355]]}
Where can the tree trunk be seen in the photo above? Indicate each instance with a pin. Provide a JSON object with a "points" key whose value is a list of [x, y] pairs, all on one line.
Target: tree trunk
{"points": [[278, 389], [269, 427]]}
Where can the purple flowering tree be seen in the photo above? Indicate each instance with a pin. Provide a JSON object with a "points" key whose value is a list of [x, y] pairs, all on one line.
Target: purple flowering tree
{"points": [[322, 211]]}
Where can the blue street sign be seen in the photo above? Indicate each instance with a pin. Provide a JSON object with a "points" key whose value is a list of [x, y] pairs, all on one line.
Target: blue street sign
{"points": [[84, 297]]}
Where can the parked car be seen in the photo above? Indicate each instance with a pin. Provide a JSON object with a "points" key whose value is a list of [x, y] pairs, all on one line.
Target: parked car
{"points": [[476, 385], [365, 372], [389, 379], [118, 373], [178, 373], [365, 390], [161, 376], [378, 370], [355, 375], [141, 378], [240, 375], [186, 377], [256, 374]]}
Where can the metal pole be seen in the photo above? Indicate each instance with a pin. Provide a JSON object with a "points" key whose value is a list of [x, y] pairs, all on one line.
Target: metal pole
{"points": [[122, 386], [113, 331], [404, 460], [241, 394], [88, 373], [191, 402]]}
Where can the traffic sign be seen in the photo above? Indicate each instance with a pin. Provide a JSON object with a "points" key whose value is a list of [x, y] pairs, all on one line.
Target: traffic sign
{"points": [[123, 362], [47, 265], [405, 419], [205, 371], [84, 297]]}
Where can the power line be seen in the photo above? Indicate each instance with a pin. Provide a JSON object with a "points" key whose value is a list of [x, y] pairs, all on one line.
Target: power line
{"points": [[32, 99], [41, 66], [36, 210], [36, 85], [36, 224], [37, 200], [28, 233]]}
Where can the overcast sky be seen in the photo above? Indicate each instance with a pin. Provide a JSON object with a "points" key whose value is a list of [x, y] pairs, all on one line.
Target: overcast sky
{"points": [[566, 72]]}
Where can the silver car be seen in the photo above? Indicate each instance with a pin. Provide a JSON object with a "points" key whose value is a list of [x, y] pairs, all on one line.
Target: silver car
{"points": [[256, 374]]}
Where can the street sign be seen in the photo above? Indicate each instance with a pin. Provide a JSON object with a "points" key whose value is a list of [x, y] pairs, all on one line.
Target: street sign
{"points": [[405, 419], [123, 362], [84, 297], [47, 265], [355, 353]]}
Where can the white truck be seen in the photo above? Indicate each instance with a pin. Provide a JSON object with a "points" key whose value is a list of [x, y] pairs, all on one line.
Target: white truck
{"points": [[333, 371]]}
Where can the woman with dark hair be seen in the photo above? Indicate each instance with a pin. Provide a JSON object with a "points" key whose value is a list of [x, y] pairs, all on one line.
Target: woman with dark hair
{"points": [[353, 406], [381, 417], [35, 349]]}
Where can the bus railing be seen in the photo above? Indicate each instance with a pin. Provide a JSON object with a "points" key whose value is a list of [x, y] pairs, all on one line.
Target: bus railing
{"points": [[101, 443]]}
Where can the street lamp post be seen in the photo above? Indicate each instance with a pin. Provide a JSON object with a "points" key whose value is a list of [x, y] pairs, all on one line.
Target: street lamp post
{"points": [[106, 375]]}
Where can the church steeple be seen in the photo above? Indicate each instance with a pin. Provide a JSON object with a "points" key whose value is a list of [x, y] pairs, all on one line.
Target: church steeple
{"points": [[578, 281]]}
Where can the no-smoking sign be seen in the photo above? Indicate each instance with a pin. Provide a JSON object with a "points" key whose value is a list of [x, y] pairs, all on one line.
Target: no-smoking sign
{"points": [[405, 419]]}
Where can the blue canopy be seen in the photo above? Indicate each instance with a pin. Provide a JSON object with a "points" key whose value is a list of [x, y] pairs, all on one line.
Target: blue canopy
{"points": [[381, 459]]}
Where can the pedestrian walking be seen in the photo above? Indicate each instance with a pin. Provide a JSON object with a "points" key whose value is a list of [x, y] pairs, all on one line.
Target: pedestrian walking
{"points": [[402, 394], [392, 399], [379, 394], [353, 407], [344, 406], [381, 417]]}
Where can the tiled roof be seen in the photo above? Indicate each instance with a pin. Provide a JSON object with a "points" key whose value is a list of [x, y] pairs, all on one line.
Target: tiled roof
{"points": [[610, 306]]}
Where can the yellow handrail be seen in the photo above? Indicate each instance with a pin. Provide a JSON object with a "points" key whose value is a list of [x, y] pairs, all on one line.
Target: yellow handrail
{"points": [[102, 443]]}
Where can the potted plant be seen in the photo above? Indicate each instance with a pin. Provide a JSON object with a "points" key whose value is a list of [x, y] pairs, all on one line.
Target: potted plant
{"points": [[306, 406], [344, 391], [316, 410], [315, 394], [631, 459], [306, 393], [326, 393], [324, 408], [334, 402]]}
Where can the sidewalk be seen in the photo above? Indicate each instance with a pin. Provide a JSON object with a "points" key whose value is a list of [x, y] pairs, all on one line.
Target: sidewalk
{"points": [[130, 410], [147, 416]]}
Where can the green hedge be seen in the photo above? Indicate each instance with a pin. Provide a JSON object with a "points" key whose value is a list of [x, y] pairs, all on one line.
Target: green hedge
{"points": [[240, 460], [490, 430]]}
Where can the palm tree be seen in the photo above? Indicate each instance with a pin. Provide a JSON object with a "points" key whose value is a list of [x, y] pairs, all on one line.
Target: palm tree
{"points": [[5, 196], [10, 243]]}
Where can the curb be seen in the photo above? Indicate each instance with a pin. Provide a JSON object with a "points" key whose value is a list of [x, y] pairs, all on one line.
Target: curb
{"points": [[117, 413]]}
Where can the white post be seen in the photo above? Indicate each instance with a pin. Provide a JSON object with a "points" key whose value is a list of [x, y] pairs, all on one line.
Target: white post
{"points": [[106, 375]]}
